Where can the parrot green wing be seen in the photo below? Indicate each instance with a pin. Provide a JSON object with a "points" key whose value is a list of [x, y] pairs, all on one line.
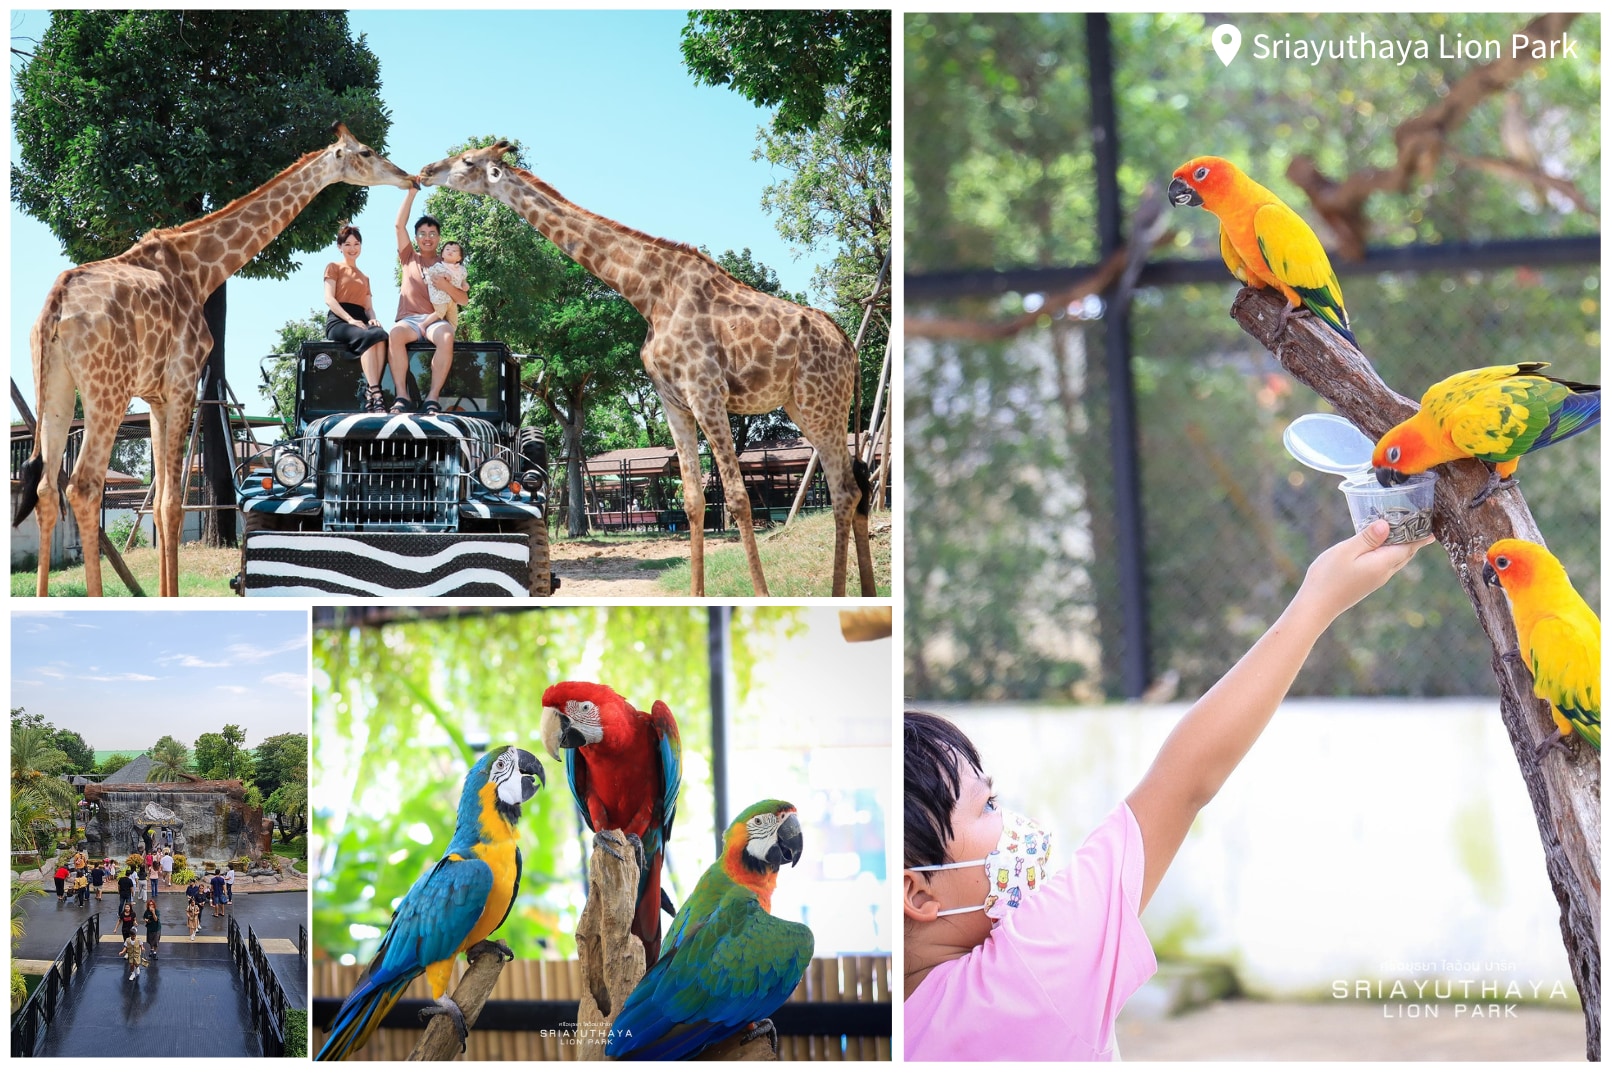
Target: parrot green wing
{"points": [[1494, 414]]}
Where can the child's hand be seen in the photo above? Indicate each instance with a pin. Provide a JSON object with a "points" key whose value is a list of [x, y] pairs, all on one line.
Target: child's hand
{"points": [[1351, 570]]}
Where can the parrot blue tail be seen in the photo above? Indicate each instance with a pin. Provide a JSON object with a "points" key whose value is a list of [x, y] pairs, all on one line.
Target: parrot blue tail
{"points": [[1575, 414], [360, 1013]]}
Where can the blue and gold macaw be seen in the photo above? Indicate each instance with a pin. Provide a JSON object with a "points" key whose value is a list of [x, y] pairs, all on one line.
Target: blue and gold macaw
{"points": [[727, 961], [452, 908]]}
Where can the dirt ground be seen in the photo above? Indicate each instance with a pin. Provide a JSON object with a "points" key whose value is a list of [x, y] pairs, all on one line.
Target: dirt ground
{"points": [[611, 568]]}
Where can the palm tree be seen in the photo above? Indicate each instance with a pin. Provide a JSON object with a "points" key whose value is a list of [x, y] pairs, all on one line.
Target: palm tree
{"points": [[22, 891], [170, 761], [36, 764]]}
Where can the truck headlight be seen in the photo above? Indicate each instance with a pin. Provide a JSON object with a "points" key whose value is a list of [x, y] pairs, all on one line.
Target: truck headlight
{"points": [[494, 475], [290, 469]]}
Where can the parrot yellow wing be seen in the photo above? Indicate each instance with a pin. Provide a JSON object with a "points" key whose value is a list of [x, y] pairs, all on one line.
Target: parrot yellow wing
{"points": [[1233, 259], [1296, 258], [1497, 413], [1566, 659]]}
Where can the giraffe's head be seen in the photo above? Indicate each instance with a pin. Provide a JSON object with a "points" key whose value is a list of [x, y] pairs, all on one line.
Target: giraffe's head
{"points": [[475, 171], [356, 163]]}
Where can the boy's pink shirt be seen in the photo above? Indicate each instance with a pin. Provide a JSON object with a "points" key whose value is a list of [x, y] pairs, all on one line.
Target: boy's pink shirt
{"points": [[1050, 980]]}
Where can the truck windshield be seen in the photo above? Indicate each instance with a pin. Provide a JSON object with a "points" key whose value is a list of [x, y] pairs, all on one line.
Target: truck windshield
{"points": [[331, 381]]}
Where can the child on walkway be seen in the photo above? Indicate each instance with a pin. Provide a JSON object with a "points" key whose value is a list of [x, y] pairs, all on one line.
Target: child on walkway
{"points": [[81, 887], [134, 954], [1039, 969], [192, 913]]}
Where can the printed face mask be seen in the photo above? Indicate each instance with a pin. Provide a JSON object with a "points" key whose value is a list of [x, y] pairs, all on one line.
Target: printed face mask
{"points": [[1016, 869]]}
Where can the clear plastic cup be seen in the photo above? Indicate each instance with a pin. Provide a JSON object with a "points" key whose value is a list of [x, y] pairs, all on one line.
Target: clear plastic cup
{"points": [[1408, 507]]}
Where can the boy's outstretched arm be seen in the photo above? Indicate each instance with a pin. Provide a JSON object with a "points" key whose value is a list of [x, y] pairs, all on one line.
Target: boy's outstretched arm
{"points": [[1218, 731]]}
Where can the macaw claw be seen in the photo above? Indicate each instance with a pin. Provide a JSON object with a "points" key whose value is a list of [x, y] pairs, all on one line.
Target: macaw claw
{"points": [[607, 842], [637, 849], [1494, 485], [763, 1028], [1553, 742], [451, 1009], [487, 947]]}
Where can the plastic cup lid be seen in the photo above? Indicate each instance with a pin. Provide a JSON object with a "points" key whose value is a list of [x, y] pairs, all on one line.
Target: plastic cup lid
{"points": [[1328, 443]]}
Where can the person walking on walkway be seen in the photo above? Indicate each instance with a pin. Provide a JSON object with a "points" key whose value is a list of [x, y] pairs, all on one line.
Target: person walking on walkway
{"points": [[81, 887], [61, 883], [153, 877], [168, 869], [133, 953], [153, 926], [97, 880], [126, 920], [192, 912], [125, 890], [218, 893], [229, 884]]}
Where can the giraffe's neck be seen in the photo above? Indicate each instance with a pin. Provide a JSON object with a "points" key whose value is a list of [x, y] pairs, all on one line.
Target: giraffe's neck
{"points": [[215, 247], [636, 265]]}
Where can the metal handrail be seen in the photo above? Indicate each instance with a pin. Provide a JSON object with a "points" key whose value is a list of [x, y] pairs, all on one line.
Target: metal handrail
{"points": [[264, 995], [31, 1024]]}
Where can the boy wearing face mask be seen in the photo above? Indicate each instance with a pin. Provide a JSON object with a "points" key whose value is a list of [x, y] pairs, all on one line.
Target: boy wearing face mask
{"points": [[1003, 961]]}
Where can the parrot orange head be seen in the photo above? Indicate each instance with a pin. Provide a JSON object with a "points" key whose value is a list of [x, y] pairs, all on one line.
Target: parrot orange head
{"points": [[1512, 564], [575, 714], [1403, 450], [1203, 181]]}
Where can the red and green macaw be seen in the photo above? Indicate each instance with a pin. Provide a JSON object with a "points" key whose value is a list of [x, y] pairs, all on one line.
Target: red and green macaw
{"points": [[1496, 415], [729, 963], [625, 768], [455, 906]]}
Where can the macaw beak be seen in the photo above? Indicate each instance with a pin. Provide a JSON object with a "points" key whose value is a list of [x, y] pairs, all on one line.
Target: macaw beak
{"points": [[549, 731], [787, 846], [530, 767], [1182, 194], [1490, 578]]}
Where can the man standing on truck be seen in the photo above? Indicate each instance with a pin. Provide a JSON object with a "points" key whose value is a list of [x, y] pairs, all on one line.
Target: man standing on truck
{"points": [[414, 308]]}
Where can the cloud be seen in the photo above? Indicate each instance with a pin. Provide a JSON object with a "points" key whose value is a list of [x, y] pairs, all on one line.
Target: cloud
{"points": [[186, 660], [252, 653], [232, 688], [290, 680], [127, 676]]}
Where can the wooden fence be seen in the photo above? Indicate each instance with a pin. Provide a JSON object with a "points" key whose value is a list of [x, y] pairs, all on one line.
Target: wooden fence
{"points": [[538, 986]]}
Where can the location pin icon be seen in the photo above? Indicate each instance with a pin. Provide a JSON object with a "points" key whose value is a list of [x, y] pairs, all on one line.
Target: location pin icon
{"points": [[1227, 39]]}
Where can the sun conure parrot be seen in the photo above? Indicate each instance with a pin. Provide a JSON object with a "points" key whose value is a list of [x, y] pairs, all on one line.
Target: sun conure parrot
{"points": [[625, 768], [1495, 415], [1557, 634], [1264, 243], [729, 963], [450, 909]]}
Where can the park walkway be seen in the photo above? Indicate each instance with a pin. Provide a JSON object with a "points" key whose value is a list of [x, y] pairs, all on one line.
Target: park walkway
{"points": [[190, 1002]]}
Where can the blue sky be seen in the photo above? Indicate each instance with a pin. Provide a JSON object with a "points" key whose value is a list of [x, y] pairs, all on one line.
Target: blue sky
{"points": [[125, 679], [602, 102]]}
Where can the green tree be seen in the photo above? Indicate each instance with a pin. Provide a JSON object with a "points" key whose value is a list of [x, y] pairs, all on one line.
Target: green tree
{"points": [[289, 802], [80, 754], [279, 758], [132, 120], [37, 766], [170, 759], [584, 337], [280, 377], [113, 763], [794, 60], [219, 754]]}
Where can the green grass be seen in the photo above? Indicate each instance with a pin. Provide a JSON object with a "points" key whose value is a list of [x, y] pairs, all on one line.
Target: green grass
{"points": [[797, 560], [203, 572]]}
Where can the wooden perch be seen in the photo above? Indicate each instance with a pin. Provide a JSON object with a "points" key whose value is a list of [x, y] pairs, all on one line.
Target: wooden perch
{"points": [[440, 1040], [1564, 788], [1420, 141], [612, 958]]}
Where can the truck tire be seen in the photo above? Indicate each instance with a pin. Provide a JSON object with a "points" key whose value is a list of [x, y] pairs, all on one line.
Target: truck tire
{"points": [[537, 534]]}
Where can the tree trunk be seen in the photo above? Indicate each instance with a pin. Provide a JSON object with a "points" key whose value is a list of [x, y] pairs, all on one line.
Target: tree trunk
{"points": [[218, 462], [1565, 788], [571, 429]]}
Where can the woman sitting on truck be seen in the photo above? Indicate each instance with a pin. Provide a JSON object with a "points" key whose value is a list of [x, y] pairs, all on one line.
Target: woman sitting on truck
{"points": [[352, 321]]}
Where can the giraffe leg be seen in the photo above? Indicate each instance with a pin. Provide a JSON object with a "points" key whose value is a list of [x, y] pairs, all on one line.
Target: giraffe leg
{"points": [[846, 493], [686, 437], [50, 435], [85, 487], [713, 419], [168, 450]]}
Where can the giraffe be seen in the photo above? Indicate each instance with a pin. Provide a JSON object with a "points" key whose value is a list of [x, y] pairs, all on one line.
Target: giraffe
{"points": [[132, 325], [715, 346]]}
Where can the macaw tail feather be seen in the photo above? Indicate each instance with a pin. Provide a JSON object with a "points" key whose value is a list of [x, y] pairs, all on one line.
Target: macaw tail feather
{"points": [[646, 915], [1573, 415], [360, 1014]]}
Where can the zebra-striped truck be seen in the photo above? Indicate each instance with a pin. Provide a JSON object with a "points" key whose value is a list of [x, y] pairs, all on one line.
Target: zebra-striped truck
{"points": [[448, 504]]}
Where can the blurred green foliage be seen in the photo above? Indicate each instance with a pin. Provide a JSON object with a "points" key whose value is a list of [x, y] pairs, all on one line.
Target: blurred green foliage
{"points": [[1010, 542], [402, 711]]}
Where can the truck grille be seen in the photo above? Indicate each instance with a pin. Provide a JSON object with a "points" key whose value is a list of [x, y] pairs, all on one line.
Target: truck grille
{"points": [[394, 483]]}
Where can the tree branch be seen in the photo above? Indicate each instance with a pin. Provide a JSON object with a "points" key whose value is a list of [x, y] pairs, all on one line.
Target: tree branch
{"points": [[440, 1040], [1564, 788]]}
